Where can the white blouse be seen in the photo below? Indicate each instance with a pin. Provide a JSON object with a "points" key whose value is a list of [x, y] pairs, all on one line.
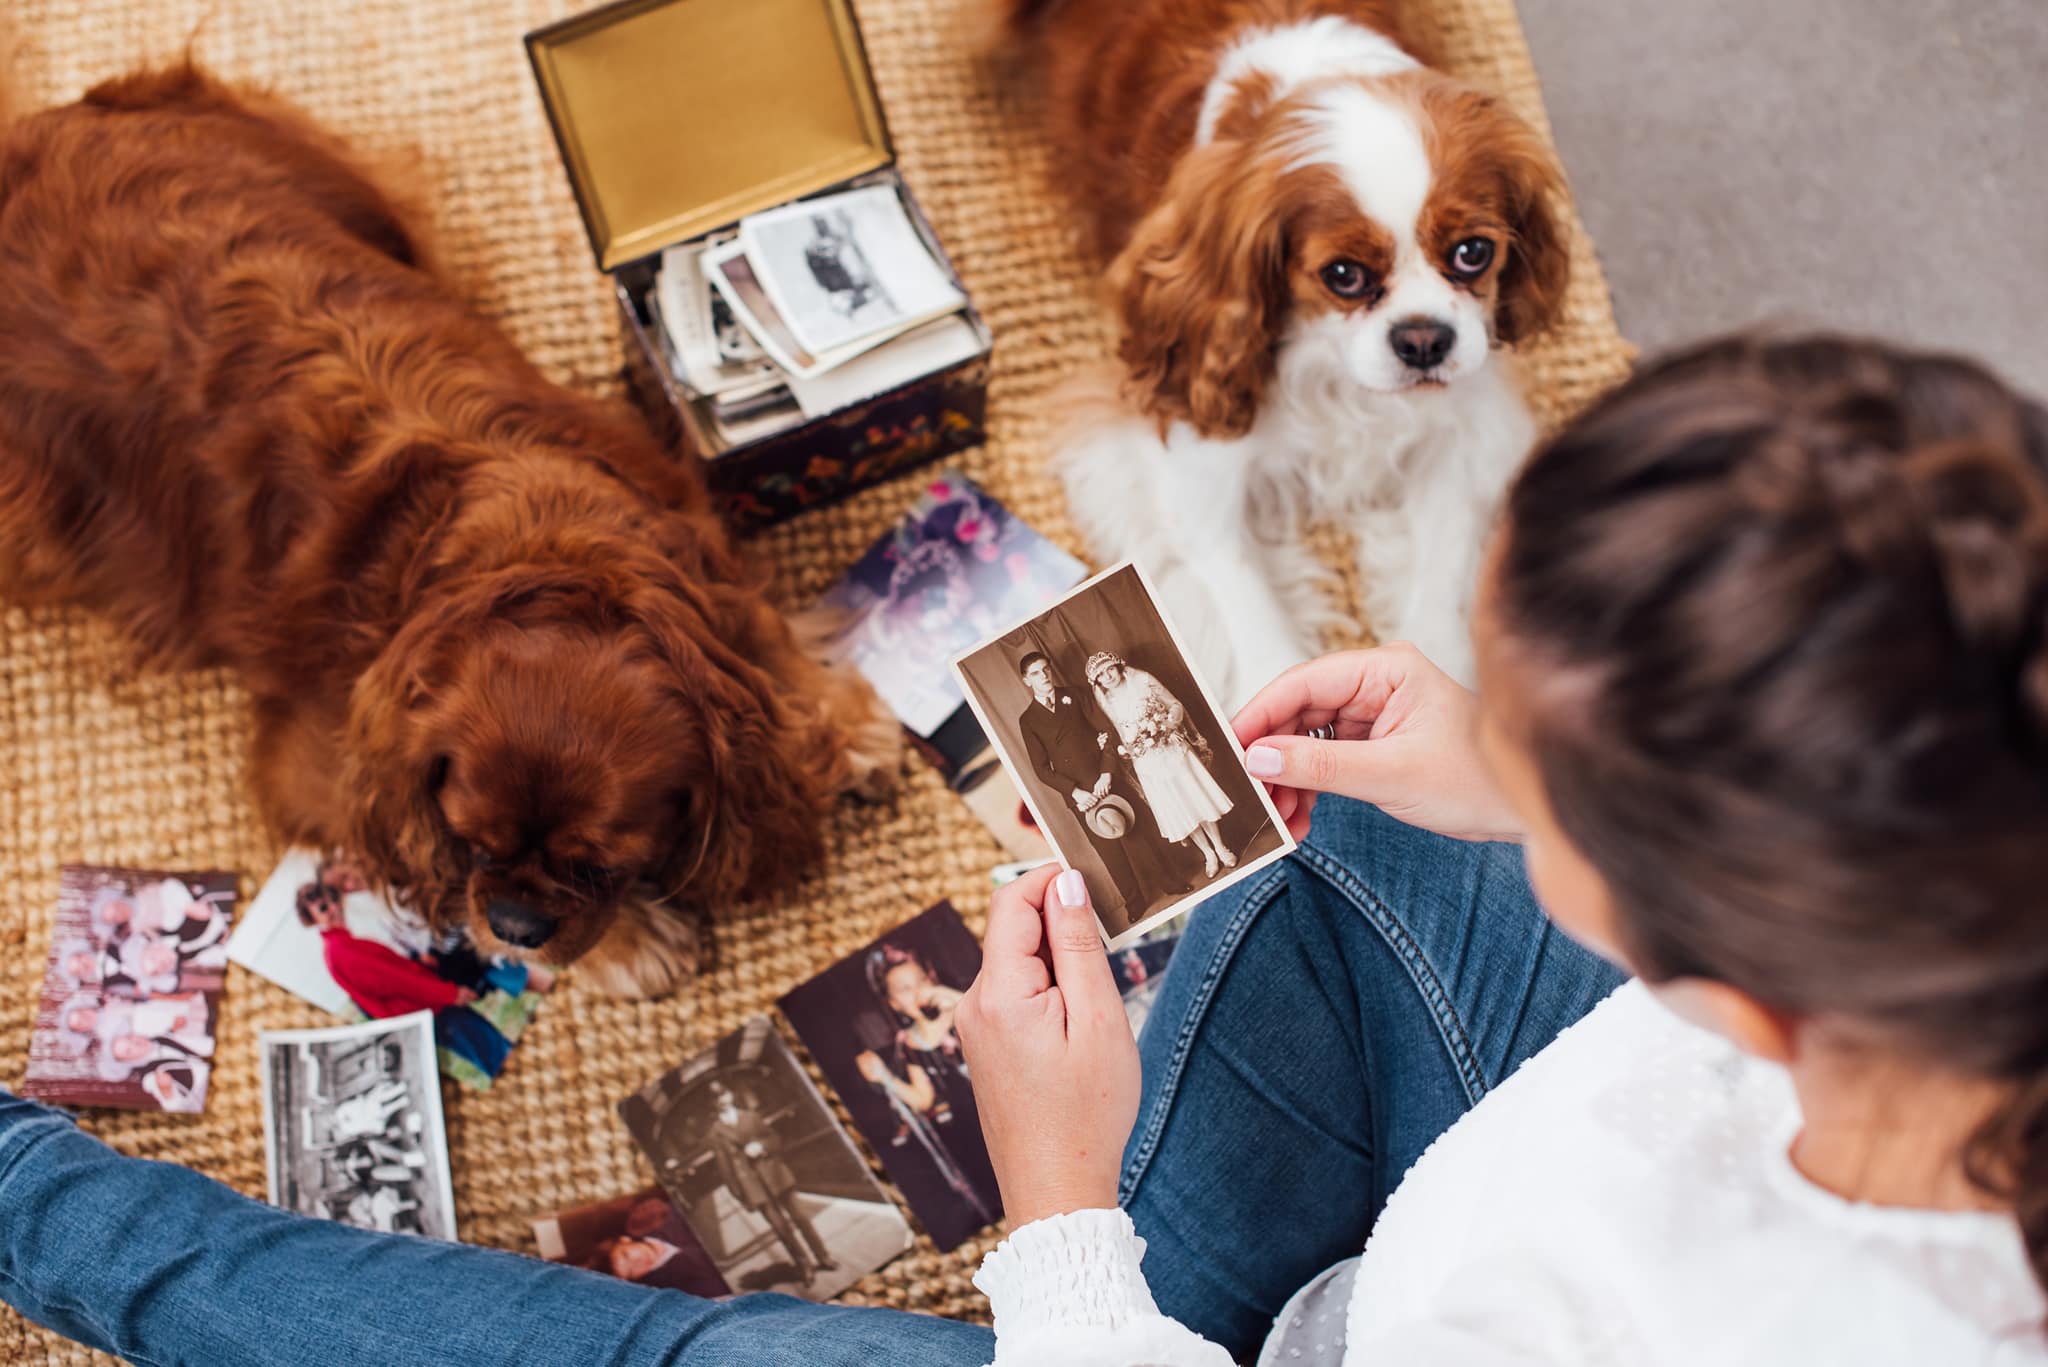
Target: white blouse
{"points": [[1626, 1198]]}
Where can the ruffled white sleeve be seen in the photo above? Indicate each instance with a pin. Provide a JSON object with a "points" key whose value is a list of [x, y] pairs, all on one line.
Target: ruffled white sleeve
{"points": [[1068, 1289]]}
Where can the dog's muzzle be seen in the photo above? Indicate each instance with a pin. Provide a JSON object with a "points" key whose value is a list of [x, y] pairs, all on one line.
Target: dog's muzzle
{"points": [[518, 924]]}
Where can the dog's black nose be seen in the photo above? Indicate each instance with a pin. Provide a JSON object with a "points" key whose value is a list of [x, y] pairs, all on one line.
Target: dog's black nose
{"points": [[518, 924], [1422, 342]]}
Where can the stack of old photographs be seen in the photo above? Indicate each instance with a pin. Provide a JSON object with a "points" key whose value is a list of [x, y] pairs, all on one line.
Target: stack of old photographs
{"points": [[806, 309], [129, 999]]}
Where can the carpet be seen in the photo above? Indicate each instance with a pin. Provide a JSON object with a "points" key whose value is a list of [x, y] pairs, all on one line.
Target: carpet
{"points": [[106, 766]]}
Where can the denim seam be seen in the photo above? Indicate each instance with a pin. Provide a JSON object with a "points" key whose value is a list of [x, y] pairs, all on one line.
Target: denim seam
{"points": [[1260, 897], [1457, 1040], [73, 1308], [44, 1135]]}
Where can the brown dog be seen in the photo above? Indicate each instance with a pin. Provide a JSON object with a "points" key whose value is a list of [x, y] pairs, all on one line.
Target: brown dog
{"points": [[497, 641]]}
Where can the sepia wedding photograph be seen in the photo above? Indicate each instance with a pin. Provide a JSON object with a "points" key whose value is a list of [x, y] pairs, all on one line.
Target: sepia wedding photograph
{"points": [[1128, 765]]}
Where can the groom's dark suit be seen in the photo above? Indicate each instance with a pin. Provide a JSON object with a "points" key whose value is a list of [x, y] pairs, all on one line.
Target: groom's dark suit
{"points": [[1060, 742]]}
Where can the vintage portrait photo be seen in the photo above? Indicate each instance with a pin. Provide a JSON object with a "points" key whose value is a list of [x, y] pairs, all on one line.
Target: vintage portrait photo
{"points": [[769, 1182], [847, 269], [318, 931], [880, 1025], [708, 349], [640, 1237], [1129, 767], [732, 276], [352, 1126], [126, 1016]]}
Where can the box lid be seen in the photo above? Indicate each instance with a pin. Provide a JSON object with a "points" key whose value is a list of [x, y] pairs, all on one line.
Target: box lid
{"points": [[675, 116]]}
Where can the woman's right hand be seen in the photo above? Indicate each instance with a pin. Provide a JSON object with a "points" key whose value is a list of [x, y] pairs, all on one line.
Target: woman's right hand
{"points": [[1406, 741]]}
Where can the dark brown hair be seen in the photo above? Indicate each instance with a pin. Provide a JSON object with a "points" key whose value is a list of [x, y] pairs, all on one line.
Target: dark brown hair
{"points": [[1788, 601], [312, 895]]}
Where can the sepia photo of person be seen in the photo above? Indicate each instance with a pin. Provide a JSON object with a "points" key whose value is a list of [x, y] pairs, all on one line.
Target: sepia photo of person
{"points": [[879, 1024], [767, 1180], [1129, 768]]}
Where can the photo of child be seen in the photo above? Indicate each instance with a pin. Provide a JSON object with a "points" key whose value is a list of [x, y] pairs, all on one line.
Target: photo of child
{"points": [[319, 931]]}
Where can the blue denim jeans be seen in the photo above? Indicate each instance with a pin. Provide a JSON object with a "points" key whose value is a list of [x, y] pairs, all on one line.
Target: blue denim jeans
{"points": [[1321, 1023]]}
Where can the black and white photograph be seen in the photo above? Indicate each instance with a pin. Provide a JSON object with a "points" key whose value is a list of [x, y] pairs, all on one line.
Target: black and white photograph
{"points": [[1127, 764], [847, 269], [708, 348], [879, 1024], [755, 1160], [352, 1125], [734, 279]]}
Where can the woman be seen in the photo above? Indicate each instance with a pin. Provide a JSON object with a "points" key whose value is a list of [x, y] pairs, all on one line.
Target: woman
{"points": [[1168, 755], [1764, 702], [924, 1073]]}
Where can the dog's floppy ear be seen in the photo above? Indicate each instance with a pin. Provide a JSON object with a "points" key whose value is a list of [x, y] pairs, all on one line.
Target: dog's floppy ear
{"points": [[394, 818], [1201, 290], [1539, 265], [758, 814]]}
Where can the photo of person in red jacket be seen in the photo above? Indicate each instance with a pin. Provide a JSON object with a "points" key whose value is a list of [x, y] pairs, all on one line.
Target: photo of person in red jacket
{"points": [[383, 982]]}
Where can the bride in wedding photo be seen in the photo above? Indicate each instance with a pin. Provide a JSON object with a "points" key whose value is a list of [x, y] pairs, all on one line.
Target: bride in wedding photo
{"points": [[1168, 754]]}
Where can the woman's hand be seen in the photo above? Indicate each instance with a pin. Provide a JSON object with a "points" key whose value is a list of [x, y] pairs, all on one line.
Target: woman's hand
{"points": [[1055, 1068], [1406, 741]]}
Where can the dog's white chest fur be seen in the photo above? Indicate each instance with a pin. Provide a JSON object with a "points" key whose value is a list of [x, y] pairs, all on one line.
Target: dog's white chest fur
{"points": [[1415, 477]]}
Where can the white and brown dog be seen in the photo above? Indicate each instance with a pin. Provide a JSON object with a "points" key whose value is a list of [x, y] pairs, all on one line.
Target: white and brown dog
{"points": [[1316, 246]]}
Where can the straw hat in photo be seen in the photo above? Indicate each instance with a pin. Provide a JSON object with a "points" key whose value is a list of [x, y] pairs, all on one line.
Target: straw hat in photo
{"points": [[1111, 818]]}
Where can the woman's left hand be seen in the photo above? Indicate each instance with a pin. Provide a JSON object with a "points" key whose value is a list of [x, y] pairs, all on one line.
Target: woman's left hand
{"points": [[1055, 1067]]}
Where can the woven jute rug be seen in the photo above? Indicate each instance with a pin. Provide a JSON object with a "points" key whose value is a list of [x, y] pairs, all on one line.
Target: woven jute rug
{"points": [[104, 766]]}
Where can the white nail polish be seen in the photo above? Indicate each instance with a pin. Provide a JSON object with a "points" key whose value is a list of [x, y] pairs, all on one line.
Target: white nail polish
{"points": [[1072, 889]]}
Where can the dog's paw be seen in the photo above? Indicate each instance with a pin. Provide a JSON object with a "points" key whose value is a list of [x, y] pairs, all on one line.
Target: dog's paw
{"points": [[874, 752], [651, 950]]}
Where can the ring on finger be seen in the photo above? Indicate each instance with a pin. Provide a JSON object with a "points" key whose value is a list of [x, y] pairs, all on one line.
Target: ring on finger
{"points": [[1327, 731]]}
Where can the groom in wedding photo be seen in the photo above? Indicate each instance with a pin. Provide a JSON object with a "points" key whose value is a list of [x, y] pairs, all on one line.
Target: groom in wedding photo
{"points": [[1073, 753]]}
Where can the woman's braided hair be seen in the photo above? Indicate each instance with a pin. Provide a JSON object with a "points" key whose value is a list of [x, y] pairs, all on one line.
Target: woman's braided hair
{"points": [[1787, 601]]}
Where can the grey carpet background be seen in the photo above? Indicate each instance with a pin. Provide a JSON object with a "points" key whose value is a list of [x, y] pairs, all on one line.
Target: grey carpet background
{"points": [[1872, 164]]}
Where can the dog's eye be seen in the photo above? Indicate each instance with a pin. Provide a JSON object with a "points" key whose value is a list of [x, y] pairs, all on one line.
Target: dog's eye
{"points": [[1347, 278], [593, 875], [1472, 256]]}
